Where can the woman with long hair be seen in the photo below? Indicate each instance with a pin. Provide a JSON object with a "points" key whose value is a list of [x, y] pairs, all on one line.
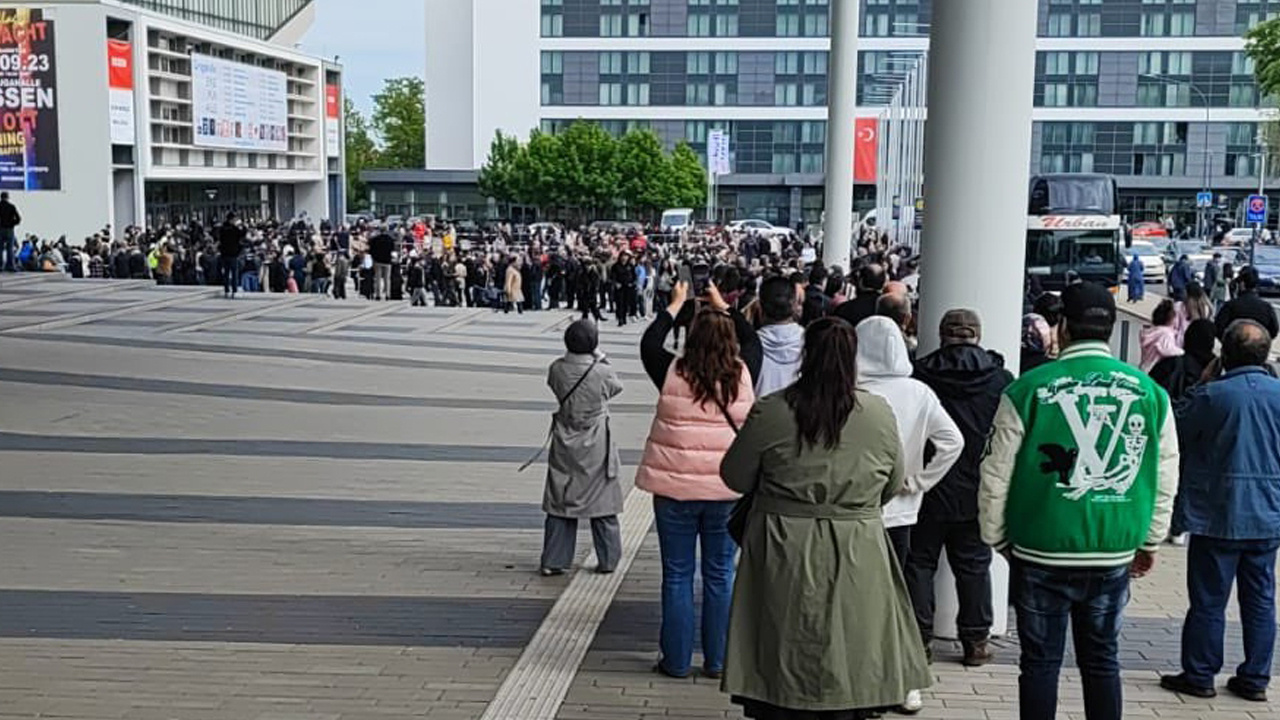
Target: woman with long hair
{"points": [[705, 396], [821, 626]]}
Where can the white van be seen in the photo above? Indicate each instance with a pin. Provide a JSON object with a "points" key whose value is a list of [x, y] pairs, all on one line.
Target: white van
{"points": [[677, 220]]}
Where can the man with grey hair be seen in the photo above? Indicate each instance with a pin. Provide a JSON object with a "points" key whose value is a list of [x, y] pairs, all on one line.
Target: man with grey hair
{"points": [[1230, 504]]}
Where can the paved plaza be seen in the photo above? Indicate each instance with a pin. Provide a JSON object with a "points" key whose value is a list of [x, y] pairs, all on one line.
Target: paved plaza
{"points": [[291, 507]]}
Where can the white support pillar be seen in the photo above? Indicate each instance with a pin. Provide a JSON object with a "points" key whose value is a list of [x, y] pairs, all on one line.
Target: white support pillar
{"points": [[977, 165], [842, 101]]}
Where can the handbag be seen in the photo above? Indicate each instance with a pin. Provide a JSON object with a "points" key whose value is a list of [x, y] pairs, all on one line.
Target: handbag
{"points": [[551, 430], [741, 511]]}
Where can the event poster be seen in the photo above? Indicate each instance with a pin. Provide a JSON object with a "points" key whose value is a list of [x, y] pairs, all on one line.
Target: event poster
{"points": [[120, 93], [333, 119], [238, 106], [28, 102]]}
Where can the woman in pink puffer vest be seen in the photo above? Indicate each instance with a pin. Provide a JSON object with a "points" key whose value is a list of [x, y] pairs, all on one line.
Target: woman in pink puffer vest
{"points": [[705, 397]]}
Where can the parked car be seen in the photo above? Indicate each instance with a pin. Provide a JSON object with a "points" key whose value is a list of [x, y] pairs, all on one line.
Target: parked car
{"points": [[1244, 236], [1154, 269], [1148, 231], [760, 226], [1266, 259]]}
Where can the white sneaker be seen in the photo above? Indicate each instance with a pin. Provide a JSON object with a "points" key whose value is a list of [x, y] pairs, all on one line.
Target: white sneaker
{"points": [[1179, 540], [913, 704]]}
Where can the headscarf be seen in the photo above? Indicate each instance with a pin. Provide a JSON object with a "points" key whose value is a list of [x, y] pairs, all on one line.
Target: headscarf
{"points": [[581, 338], [1036, 335]]}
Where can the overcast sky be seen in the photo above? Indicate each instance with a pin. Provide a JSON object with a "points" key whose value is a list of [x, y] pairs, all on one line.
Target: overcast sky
{"points": [[373, 45]]}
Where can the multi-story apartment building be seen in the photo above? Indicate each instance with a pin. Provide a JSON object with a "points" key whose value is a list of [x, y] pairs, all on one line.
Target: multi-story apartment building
{"points": [[158, 111], [1157, 92]]}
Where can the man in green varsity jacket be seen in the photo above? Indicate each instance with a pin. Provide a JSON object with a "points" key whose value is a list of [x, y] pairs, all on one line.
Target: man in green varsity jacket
{"points": [[1077, 490]]}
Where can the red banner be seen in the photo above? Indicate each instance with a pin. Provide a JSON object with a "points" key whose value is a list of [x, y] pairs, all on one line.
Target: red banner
{"points": [[120, 64], [865, 149], [332, 107]]}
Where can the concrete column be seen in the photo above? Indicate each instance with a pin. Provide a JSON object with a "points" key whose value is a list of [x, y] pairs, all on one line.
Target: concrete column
{"points": [[977, 166], [842, 101]]}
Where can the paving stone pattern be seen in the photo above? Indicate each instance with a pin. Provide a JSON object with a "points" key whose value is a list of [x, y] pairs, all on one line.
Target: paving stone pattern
{"points": [[311, 513]]}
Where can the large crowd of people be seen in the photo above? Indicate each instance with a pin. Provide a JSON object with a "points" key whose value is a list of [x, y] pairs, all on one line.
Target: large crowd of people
{"points": [[798, 432]]}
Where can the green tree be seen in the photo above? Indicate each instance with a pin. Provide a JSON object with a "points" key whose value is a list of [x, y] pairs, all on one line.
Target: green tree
{"points": [[500, 178], [1262, 45], [361, 152], [540, 172], [400, 120], [687, 179], [588, 160], [643, 171]]}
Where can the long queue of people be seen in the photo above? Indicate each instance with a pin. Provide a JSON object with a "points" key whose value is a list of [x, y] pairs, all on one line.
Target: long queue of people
{"points": [[812, 470]]}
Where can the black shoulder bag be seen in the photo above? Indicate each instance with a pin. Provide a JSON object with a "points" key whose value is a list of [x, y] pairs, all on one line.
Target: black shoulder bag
{"points": [[742, 508], [551, 430]]}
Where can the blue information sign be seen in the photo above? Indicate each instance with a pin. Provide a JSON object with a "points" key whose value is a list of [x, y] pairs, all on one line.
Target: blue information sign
{"points": [[1255, 210], [1204, 199]]}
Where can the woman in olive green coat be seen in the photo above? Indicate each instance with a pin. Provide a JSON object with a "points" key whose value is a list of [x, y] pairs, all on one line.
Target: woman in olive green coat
{"points": [[821, 624]]}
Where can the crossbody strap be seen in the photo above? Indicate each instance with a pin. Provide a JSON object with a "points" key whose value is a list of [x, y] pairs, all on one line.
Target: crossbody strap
{"points": [[551, 429]]}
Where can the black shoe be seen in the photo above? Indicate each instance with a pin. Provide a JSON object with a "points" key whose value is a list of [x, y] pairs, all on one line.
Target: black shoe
{"points": [[1181, 685], [663, 671], [712, 674], [977, 654], [550, 572], [1236, 687]]}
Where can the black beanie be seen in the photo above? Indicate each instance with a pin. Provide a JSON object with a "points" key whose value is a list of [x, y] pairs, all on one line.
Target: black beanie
{"points": [[581, 337]]}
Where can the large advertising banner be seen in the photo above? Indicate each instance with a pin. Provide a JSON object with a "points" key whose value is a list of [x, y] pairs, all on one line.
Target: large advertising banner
{"points": [[28, 102], [333, 120], [238, 106], [120, 93]]}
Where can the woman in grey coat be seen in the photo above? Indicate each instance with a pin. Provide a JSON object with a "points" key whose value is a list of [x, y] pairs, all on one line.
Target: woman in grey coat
{"points": [[582, 469]]}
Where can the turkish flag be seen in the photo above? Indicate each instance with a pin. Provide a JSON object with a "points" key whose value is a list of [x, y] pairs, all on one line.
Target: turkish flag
{"points": [[120, 64], [865, 149]]}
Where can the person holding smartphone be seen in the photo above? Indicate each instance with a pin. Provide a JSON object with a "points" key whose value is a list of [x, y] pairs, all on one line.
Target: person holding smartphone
{"points": [[705, 396]]}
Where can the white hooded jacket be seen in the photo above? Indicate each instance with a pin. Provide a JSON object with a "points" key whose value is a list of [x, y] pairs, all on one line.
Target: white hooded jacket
{"points": [[782, 345], [884, 368]]}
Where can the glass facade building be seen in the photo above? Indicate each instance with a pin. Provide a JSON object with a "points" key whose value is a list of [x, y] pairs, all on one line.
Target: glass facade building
{"points": [[1157, 92]]}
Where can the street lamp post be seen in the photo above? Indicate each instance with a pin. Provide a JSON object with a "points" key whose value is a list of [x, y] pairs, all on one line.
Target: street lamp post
{"points": [[1207, 178]]}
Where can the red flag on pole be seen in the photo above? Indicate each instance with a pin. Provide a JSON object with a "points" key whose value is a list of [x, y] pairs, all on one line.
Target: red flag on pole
{"points": [[865, 150]]}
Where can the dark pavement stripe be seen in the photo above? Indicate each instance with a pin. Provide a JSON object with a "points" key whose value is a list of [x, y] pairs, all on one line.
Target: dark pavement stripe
{"points": [[274, 448], [321, 512], [286, 320], [276, 619], [292, 395], [275, 351]]}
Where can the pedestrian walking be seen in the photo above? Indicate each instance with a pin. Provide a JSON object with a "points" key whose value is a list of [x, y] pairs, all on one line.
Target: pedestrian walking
{"points": [[231, 237], [1136, 283], [583, 465], [10, 219], [821, 622], [1077, 488], [1230, 504]]}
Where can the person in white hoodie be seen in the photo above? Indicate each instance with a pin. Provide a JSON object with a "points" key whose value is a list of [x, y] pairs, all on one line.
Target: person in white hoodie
{"points": [[781, 337], [884, 368]]}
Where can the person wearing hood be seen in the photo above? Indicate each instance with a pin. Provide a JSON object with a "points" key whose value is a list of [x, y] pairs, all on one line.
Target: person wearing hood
{"points": [[1180, 373], [1035, 341], [583, 466], [1161, 340], [884, 369], [968, 381], [781, 337]]}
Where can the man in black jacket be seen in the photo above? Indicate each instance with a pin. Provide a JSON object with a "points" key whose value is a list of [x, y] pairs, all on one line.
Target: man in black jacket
{"points": [[382, 246], [968, 380], [9, 221], [230, 243], [1247, 306], [871, 282]]}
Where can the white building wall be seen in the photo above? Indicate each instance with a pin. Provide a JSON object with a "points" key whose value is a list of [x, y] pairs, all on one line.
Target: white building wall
{"points": [[451, 91], [508, 72], [85, 202]]}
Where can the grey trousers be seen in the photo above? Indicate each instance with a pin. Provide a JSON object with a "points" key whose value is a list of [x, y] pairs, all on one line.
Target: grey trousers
{"points": [[561, 538]]}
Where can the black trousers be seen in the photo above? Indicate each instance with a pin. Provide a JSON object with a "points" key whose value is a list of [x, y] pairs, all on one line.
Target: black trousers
{"points": [[970, 561], [900, 539]]}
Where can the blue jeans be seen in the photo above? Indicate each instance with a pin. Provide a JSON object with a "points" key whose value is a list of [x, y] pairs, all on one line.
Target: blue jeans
{"points": [[9, 246], [230, 269], [1093, 599], [1212, 565], [680, 526]]}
